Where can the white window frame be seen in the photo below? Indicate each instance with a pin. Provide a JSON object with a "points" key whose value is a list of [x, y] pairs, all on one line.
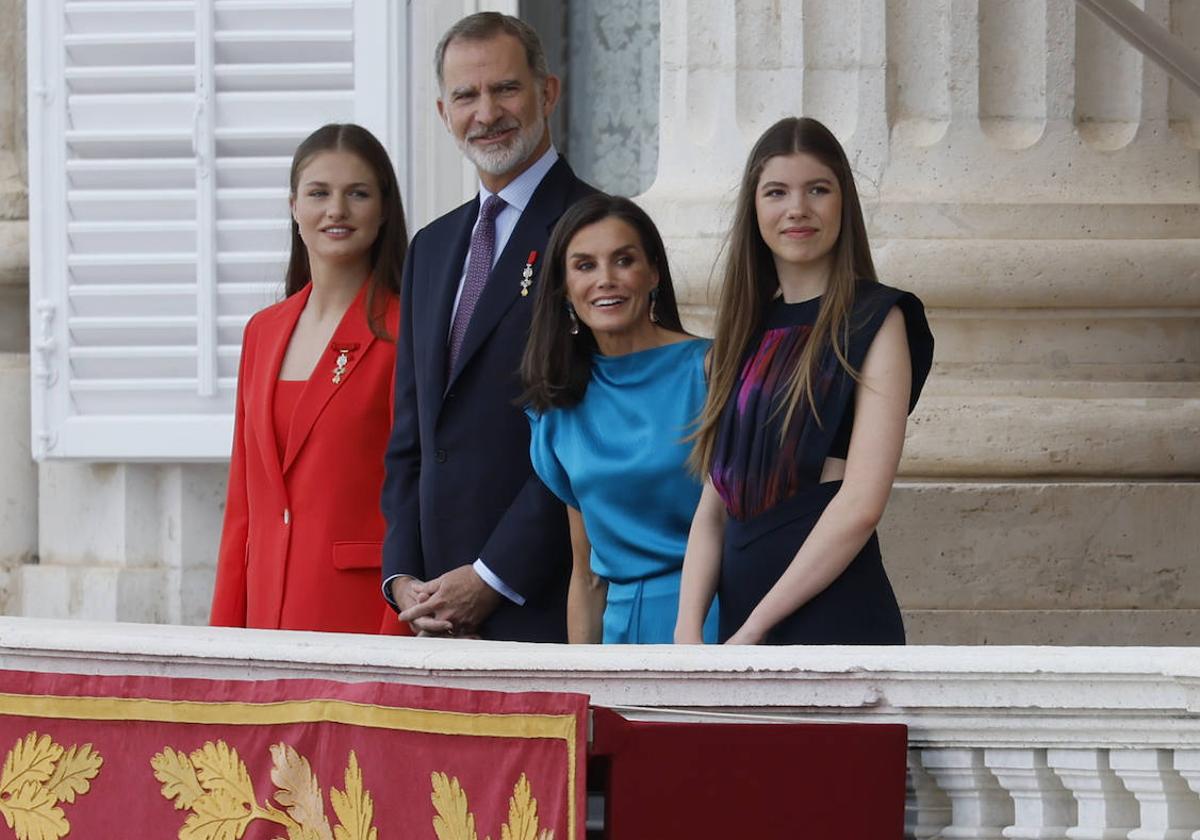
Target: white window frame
{"points": [[61, 429]]}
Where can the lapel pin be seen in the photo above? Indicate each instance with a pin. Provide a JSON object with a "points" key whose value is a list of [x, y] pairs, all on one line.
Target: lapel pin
{"points": [[527, 274], [339, 369]]}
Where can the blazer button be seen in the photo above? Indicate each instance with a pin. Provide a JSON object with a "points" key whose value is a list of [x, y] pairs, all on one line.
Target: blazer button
{"points": [[287, 517], [440, 456]]}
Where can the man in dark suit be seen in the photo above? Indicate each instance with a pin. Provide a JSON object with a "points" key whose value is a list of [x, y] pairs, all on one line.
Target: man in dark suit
{"points": [[476, 545]]}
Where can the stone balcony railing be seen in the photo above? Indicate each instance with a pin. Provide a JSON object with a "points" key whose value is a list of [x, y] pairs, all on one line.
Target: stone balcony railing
{"points": [[1006, 742]]}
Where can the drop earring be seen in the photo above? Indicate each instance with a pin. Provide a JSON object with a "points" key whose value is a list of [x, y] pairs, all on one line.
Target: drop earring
{"points": [[574, 320], [653, 304]]}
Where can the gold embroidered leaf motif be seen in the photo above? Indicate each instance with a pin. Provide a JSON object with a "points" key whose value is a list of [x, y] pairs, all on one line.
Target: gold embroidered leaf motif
{"points": [[354, 807], [31, 760], [73, 774], [522, 815], [221, 771], [178, 777], [32, 811], [453, 820], [216, 816], [299, 793]]}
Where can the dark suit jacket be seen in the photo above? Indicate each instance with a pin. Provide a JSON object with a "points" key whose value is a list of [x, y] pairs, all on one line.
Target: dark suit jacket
{"points": [[459, 483], [315, 567]]}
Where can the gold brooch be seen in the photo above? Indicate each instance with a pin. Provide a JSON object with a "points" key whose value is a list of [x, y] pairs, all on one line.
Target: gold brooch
{"points": [[339, 368], [527, 274]]}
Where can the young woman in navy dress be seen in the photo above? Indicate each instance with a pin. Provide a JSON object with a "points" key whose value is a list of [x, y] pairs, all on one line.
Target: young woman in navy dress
{"points": [[815, 367]]}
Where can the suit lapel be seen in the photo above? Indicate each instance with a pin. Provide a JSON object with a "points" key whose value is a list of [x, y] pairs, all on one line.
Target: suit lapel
{"points": [[352, 338], [275, 338], [503, 287]]}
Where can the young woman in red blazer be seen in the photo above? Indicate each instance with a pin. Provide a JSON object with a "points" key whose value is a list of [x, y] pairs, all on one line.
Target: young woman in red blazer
{"points": [[303, 533]]}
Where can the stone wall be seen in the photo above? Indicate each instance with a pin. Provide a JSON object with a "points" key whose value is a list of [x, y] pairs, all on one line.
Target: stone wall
{"points": [[18, 485]]}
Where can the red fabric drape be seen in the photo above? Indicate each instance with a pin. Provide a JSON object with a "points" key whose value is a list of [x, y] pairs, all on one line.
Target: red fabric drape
{"points": [[107, 757]]}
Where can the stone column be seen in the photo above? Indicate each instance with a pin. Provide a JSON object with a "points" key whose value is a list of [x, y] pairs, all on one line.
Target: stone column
{"points": [[1034, 180]]}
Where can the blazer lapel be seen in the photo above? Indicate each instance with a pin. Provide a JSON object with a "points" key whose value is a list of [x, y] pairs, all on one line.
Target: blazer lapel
{"points": [[503, 287], [352, 338], [275, 342]]}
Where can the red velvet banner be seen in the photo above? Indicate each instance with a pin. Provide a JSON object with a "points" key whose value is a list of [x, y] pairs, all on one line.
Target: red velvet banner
{"points": [[144, 757]]}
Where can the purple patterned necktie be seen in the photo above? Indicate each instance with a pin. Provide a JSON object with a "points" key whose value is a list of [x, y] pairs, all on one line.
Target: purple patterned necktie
{"points": [[479, 266]]}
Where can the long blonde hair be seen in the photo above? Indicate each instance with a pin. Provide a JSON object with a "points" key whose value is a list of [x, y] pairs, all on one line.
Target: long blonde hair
{"points": [[751, 282]]}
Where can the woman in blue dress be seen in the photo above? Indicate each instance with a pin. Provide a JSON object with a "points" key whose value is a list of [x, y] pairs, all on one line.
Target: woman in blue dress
{"points": [[614, 384]]}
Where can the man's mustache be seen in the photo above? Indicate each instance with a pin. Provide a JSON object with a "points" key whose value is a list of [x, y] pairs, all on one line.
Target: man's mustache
{"points": [[494, 129]]}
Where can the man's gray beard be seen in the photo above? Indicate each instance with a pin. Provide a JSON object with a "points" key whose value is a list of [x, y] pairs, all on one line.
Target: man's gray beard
{"points": [[503, 160]]}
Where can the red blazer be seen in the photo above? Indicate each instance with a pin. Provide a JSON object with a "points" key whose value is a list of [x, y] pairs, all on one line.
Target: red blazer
{"points": [[302, 540]]}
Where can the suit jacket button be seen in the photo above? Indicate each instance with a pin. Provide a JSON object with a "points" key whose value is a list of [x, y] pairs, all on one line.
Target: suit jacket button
{"points": [[440, 456]]}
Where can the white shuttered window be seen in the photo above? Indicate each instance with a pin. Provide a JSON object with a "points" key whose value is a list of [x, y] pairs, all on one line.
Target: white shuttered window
{"points": [[161, 132]]}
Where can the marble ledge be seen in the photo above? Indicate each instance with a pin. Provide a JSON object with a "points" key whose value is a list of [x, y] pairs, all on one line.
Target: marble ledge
{"points": [[998, 696]]}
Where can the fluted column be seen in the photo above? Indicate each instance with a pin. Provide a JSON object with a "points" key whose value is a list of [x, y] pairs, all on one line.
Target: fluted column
{"points": [[1034, 180]]}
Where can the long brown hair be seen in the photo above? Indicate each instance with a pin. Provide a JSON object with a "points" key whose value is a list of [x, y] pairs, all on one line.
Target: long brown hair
{"points": [[751, 281], [387, 251], [556, 366]]}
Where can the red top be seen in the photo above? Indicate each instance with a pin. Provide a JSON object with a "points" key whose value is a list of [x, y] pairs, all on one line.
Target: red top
{"points": [[287, 395]]}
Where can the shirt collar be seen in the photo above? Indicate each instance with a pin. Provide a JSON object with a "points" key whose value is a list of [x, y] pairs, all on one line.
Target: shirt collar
{"points": [[517, 193]]}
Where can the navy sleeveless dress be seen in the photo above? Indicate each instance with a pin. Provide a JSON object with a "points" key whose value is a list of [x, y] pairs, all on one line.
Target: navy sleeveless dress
{"points": [[772, 490]]}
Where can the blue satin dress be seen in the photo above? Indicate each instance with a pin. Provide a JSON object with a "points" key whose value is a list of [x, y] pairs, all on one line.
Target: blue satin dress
{"points": [[619, 458]]}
